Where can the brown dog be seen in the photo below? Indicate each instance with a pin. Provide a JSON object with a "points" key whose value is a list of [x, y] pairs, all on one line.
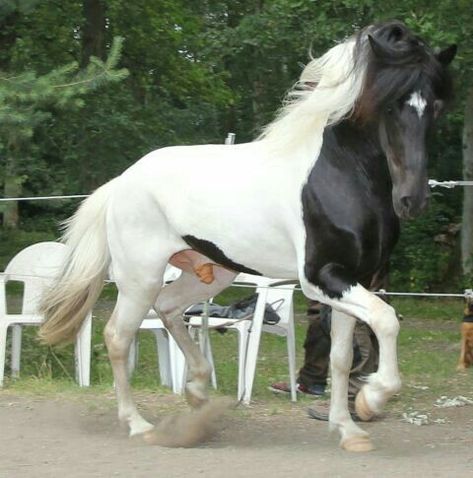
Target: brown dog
{"points": [[466, 352]]}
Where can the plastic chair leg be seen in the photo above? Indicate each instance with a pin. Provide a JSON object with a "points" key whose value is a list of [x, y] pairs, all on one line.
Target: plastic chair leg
{"points": [[253, 346], [162, 345], [3, 352], [243, 337], [178, 367], [15, 350], [82, 353], [291, 354]]}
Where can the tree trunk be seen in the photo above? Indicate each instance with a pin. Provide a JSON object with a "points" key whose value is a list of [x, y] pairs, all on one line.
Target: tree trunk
{"points": [[12, 188], [93, 37], [8, 36], [93, 44], [467, 222]]}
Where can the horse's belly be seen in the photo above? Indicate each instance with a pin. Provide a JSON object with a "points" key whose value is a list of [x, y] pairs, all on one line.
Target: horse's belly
{"points": [[245, 253]]}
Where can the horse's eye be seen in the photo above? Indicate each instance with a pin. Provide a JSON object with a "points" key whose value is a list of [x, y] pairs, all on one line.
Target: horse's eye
{"points": [[390, 110]]}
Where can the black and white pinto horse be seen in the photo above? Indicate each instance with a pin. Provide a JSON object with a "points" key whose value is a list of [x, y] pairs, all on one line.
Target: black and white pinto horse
{"points": [[316, 198]]}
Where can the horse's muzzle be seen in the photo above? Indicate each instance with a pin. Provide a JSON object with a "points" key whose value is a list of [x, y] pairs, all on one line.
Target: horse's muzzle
{"points": [[409, 207]]}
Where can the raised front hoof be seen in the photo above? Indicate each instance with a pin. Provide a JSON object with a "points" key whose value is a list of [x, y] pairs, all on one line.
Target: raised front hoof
{"points": [[357, 444], [362, 409]]}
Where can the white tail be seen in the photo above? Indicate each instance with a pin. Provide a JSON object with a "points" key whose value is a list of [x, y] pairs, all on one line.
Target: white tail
{"points": [[80, 282]]}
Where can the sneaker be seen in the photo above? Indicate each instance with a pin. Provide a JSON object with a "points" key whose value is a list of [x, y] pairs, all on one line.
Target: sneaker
{"points": [[320, 411], [284, 387]]}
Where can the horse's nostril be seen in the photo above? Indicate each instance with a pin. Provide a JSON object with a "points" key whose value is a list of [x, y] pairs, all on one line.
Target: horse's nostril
{"points": [[406, 202]]}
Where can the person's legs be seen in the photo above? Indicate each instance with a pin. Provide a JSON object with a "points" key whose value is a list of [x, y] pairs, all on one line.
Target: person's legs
{"points": [[314, 372]]}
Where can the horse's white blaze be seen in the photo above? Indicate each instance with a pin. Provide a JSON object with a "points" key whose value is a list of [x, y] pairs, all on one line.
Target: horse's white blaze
{"points": [[418, 103]]}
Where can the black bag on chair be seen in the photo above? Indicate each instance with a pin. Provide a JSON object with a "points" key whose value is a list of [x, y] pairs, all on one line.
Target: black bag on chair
{"points": [[242, 309]]}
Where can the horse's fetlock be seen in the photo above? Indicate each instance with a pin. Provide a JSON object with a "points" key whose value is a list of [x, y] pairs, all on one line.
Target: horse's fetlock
{"points": [[394, 386]]}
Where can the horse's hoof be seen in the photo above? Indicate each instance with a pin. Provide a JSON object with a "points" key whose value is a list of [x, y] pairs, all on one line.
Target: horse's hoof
{"points": [[357, 444], [362, 409], [196, 402], [194, 398], [196, 394], [150, 437]]}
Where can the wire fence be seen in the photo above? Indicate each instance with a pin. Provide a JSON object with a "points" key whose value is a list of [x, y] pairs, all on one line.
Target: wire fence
{"points": [[467, 294], [433, 183]]}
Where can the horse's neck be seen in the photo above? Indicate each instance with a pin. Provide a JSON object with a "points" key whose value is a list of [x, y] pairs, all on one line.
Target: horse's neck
{"points": [[358, 150]]}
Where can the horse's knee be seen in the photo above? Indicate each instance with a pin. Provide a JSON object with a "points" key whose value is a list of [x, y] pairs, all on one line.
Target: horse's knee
{"points": [[341, 362], [384, 321]]}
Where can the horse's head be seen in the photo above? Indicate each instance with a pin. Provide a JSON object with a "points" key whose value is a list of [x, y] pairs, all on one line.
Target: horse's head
{"points": [[406, 88]]}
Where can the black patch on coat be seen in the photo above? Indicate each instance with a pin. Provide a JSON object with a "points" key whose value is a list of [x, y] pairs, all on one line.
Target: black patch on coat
{"points": [[351, 227], [347, 204], [210, 250]]}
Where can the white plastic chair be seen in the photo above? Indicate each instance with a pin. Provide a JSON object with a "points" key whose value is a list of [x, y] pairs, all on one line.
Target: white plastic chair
{"points": [[271, 291], [36, 266]]}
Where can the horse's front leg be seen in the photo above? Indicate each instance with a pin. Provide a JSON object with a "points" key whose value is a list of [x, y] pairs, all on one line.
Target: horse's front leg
{"points": [[353, 438], [382, 319], [355, 300]]}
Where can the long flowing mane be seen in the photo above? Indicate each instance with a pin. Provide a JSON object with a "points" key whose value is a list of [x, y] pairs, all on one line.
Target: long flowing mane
{"points": [[359, 77], [325, 93]]}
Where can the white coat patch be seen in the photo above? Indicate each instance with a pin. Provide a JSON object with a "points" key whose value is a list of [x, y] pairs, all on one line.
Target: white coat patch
{"points": [[418, 103]]}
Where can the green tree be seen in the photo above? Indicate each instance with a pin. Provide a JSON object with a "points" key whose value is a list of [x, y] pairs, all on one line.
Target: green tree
{"points": [[26, 100]]}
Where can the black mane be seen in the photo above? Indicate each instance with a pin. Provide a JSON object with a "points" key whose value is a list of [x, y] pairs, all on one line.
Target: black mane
{"points": [[398, 62]]}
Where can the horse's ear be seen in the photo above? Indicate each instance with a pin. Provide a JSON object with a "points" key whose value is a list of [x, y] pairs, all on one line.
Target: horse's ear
{"points": [[376, 46], [446, 56], [390, 50]]}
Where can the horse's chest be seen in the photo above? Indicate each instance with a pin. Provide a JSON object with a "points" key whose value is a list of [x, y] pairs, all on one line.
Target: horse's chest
{"points": [[350, 230]]}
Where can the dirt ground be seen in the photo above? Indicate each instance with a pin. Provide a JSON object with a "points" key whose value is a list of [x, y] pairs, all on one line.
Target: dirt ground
{"points": [[63, 436]]}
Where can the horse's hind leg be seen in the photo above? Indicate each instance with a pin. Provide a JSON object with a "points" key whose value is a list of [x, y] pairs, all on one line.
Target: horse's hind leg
{"points": [[119, 333], [172, 302], [138, 269]]}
